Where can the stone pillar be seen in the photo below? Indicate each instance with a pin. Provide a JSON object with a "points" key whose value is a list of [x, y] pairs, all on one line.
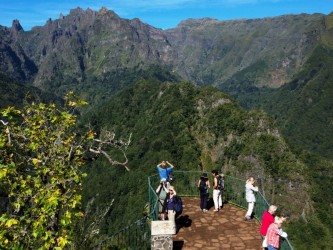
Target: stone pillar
{"points": [[161, 235]]}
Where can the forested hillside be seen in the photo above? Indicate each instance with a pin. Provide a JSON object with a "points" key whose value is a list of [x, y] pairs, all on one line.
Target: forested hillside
{"points": [[302, 107], [195, 129]]}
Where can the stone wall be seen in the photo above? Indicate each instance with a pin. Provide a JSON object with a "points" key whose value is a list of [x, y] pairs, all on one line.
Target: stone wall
{"points": [[161, 235], [161, 242]]}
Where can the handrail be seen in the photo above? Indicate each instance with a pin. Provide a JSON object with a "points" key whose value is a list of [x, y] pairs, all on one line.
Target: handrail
{"points": [[185, 185]]}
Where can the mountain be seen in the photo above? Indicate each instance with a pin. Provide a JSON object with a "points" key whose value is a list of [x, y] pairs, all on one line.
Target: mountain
{"points": [[303, 107], [14, 60], [206, 51], [14, 93], [85, 51]]}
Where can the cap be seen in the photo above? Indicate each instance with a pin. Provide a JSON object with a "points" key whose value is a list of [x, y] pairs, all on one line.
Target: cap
{"points": [[204, 175]]}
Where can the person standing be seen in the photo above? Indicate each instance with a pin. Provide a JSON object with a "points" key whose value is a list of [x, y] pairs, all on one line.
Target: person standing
{"points": [[162, 191], [164, 169], [250, 197], [169, 205], [266, 220], [216, 192], [220, 186], [204, 186], [274, 232]]}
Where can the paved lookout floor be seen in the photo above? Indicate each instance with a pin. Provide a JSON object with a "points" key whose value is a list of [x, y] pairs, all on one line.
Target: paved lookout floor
{"points": [[225, 229]]}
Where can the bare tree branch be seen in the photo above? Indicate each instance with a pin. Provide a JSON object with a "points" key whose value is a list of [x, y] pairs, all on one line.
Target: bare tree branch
{"points": [[107, 139]]}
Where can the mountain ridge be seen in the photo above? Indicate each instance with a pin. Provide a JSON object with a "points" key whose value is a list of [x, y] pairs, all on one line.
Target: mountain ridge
{"points": [[210, 41], [242, 57]]}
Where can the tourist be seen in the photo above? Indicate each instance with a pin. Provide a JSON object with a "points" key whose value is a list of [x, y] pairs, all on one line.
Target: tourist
{"points": [[169, 204], [203, 185], [162, 190], [164, 169], [216, 192], [266, 220], [274, 232], [250, 197]]}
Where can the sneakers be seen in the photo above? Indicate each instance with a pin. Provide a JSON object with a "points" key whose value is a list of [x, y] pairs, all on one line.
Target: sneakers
{"points": [[215, 210], [204, 210], [247, 218]]}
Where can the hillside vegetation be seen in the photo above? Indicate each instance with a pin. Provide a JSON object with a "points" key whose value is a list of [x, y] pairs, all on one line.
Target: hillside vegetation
{"points": [[195, 129], [303, 107]]}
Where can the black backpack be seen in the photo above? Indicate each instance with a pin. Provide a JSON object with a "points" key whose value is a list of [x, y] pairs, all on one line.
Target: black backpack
{"points": [[220, 183], [203, 186], [178, 205]]}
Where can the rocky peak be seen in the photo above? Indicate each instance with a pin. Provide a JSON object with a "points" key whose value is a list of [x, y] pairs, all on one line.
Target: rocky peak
{"points": [[103, 10], [16, 26]]}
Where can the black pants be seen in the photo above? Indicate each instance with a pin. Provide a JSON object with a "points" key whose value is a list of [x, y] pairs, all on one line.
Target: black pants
{"points": [[203, 200]]}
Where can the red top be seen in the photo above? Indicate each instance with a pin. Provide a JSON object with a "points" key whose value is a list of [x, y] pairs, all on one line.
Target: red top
{"points": [[273, 237], [266, 220]]}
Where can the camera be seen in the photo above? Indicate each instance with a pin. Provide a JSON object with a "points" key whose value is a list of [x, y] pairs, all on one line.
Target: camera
{"points": [[171, 178]]}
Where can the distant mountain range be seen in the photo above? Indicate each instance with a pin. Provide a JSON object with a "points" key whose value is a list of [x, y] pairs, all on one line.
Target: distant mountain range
{"points": [[206, 51], [251, 59]]}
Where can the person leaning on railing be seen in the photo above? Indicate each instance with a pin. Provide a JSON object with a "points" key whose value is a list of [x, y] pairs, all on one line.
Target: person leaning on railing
{"points": [[250, 197], [266, 220], [274, 233]]}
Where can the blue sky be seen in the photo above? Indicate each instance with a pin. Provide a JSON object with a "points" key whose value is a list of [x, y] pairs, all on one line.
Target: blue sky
{"points": [[158, 13]]}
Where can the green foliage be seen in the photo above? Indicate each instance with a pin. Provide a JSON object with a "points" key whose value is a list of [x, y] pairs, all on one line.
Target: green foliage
{"points": [[303, 110], [160, 116], [244, 82], [14, 94], [40, 173], [317, 229], [99, 88], [303, 107], [195, 129]]}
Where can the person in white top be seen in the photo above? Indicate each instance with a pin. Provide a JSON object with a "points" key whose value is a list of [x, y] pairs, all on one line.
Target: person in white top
{"points": [[250, 197]]}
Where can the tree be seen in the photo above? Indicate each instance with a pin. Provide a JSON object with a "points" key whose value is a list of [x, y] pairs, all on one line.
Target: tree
{"points": [[40, 162]]}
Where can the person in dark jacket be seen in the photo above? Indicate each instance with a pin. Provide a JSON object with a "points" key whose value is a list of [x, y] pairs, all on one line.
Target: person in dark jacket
{"points": [[169, 205], [204, 186]]}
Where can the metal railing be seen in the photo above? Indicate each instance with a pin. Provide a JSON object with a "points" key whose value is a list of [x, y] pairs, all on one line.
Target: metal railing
{"points": [[137, 235], [134, 236]]}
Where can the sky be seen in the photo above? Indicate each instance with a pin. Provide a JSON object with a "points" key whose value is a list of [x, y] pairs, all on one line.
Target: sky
{"points": [[162, 14]]}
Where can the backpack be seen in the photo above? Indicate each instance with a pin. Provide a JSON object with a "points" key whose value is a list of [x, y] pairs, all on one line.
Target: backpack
{"points": [[178, 205], [203, 187], [220, 183]]}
